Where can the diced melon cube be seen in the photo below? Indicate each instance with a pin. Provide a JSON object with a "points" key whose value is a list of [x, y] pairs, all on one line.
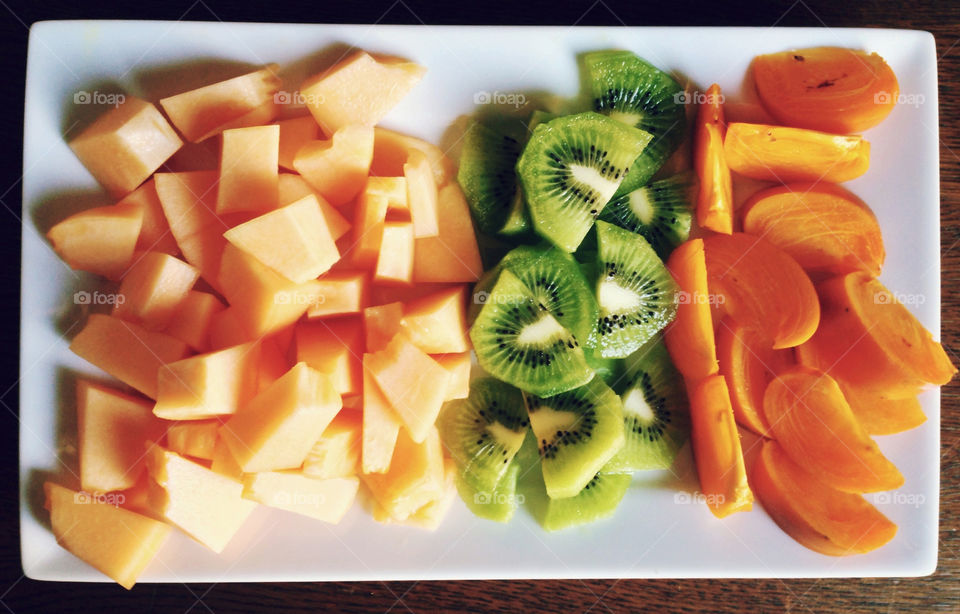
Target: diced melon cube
{"points": [[196, 439], [369, 219], [277, 429], [458, 366], [247, 100], [452, 255], [155, 235], [391, 150], [337, 452], [334, 348], [208, 385], [342, 293], [382, 323], [223, 461], [394, 189], [273, 363], [292, 188], [337, 168], [111, 430], [358, 90], [248, 169], [395, 261], [431, 514], [192, 319], [99, 240], [415, 478], [125, 145], [116, 541], [127, 351], [323, 499], [421, 195], [381, 424], [153, 289], [294, 133], [226, 330], [437, 323]]}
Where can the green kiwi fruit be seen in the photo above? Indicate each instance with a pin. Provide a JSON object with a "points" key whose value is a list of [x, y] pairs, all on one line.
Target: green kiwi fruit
{"points": [[611, 370], [661, 212], [633, 91], [570, 169], [488, 177], [518, 341], [578, 432], [598, 499], [498, 503], [635, 292]]}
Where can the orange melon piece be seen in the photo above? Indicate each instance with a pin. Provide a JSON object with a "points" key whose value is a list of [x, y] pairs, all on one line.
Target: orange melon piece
{"points": [[452, 255], [458, 366], [196, 439], [204, 504], [294, 134], [334, 348], [137, 497], [358, 90], [127, 351], [292, 188], [191, 321], [437, 323], [880, 415], [247, 100], [391, 150], [337, 452], [208, 385], [155, 233], [277, 429], [249, 169], [368, 223], [431, 514], [273, 363], [381, 323], [422, 195], [395, 191], [223, 461], [381, 424], [99, 240], [395, 261], [337, 168], [111, 427], [125, 145], [415, 477], [153, 289], [227, 330], [342, 293], [293, 241], [89, 530], [690, 337], [413, 383], [322, 499]]}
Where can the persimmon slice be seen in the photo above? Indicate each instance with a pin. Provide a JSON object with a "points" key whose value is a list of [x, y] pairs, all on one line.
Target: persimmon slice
{"points": [[880, 415], [689, 337], [810, 417], [715, 195], [817, 516]]}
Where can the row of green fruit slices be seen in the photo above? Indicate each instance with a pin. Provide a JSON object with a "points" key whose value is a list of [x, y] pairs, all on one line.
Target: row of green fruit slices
{"points": [[568, 322]]}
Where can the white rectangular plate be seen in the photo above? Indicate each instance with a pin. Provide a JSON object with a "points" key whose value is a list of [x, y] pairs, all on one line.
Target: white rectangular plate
{"points": [[656, 532]]}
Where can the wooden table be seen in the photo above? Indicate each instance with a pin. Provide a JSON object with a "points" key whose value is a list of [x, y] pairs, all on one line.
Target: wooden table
{"points": [[941, 592]]}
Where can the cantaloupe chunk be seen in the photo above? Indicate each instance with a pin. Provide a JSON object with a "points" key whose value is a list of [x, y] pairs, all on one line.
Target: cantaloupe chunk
{"points": [[394, 189], [395, 261], [337, 452], [204, 504], [191, 321], [358, 90], [99, 240], [342, 293], [226, 330], [137, 497], [196, 439], [125, 145], [273, 363], [431, 515], [337, 168], [261, 300], [112, 428], [391, 150], [415, 478], [153, 289], [381, 424], [223, 461], [422, 195], [437, 323], [413, 383], [369, 218], [155, 235], [116, 541], [277, 429], [247, 100], [127, 351], [208, 385], [323, 499], [294, 134], [381, 323], [293, 240], [334, 348], [293, 187], [452, 255], [249, 169], [458, 366]]}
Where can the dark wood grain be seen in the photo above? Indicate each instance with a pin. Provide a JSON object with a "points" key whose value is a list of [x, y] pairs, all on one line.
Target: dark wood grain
{"points": [[941, 592]]}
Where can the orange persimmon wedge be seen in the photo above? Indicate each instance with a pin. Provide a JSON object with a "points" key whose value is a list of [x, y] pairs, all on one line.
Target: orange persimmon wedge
{"points": [[821, 518], [869, 339], [826, 88], [879, 415], [715, 196], [762, 287], [810, 417], [781, 154], [716, 448], [689, 337]]}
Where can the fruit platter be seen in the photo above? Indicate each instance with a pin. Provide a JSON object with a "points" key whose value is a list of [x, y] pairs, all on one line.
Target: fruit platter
{"points": [[306, 302]]}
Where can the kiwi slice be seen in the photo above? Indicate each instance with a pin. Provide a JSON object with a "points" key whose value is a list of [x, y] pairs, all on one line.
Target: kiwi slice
{"points": [[656, 422], [497, 503], [518, 341], [578, 432], [539, 117], [611, 370], [635, 292], [638, 94], [570, 168], [488, 177], [597, 500], [661, 212], [484, 431]]}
